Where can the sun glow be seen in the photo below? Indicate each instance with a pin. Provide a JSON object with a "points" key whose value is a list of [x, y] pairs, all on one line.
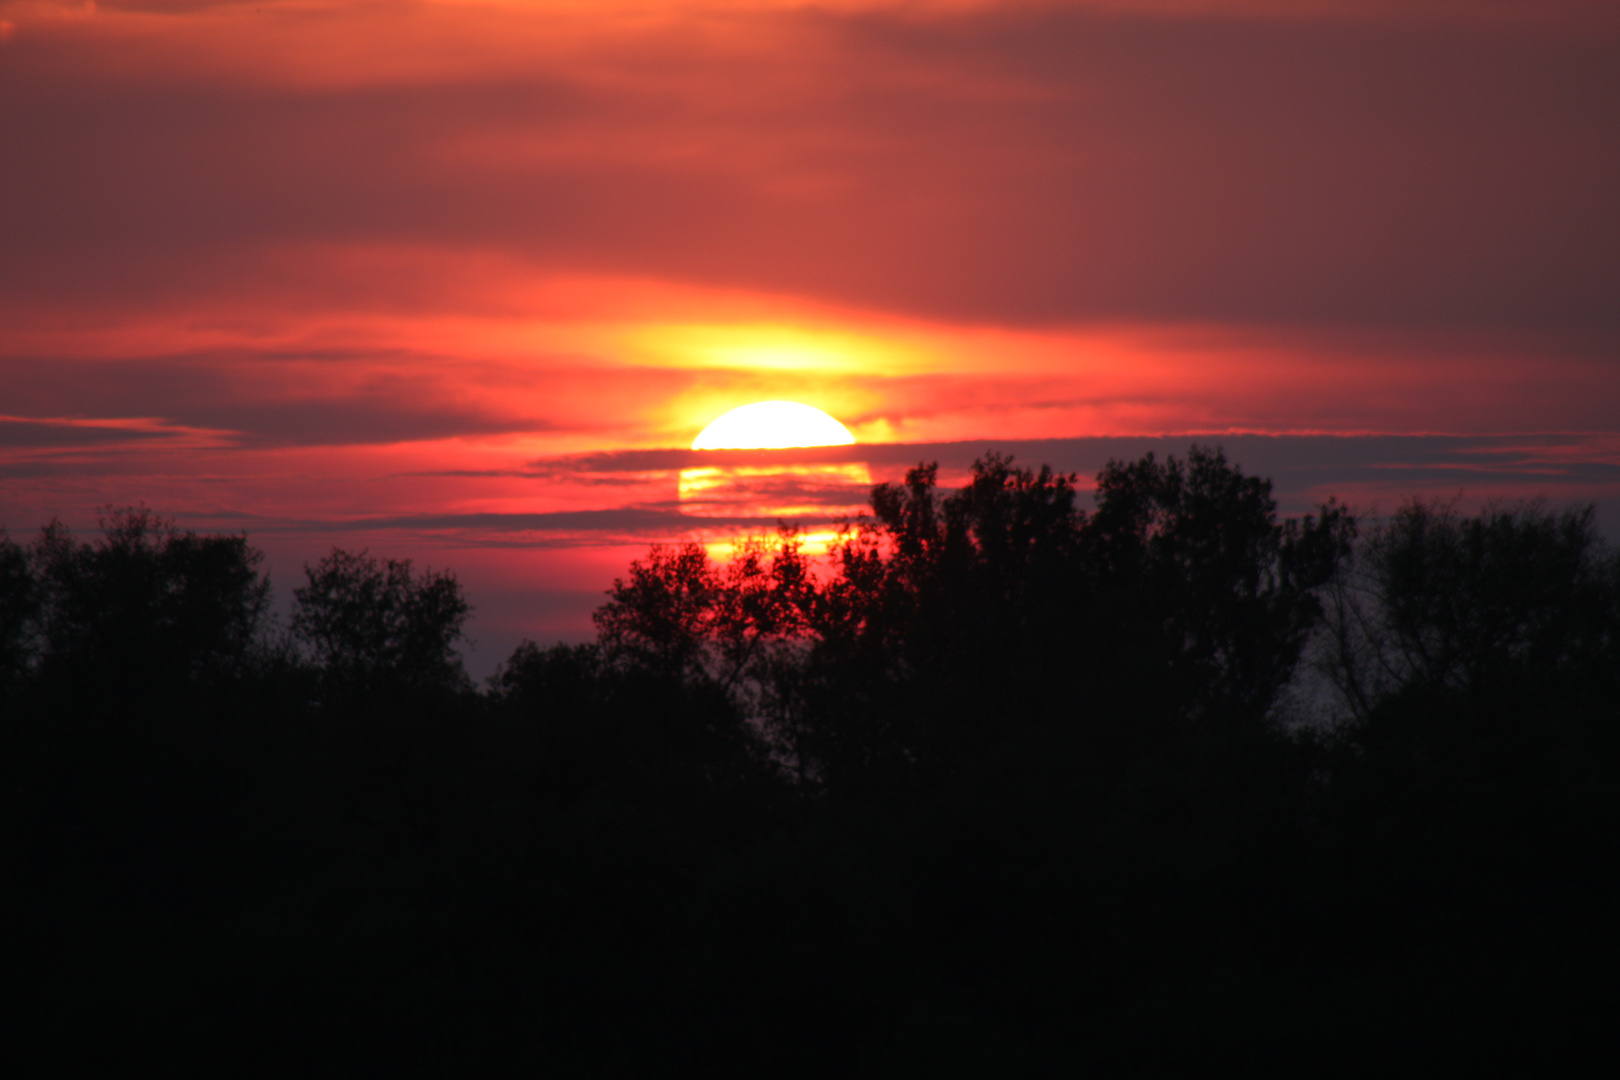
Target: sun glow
{"points": [[813, 543], [772, 425], [779, 491]]}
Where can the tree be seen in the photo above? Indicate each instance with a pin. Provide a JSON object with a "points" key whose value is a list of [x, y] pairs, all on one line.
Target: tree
{"points": [[1435, 602], [1205, 593], [956, 623], [677, 684], [709, 648], [146, 604], [379, 628], [1471, 807], [682, 617], [939, 630], [19, 608]]}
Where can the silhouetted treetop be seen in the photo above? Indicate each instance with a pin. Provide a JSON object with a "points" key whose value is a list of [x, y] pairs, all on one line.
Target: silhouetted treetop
{"points": [[1002, 786], [950, 622], [145, 603], [381, 628], [19, 608], [1434, 600], [1193, 554], [680, 615]]}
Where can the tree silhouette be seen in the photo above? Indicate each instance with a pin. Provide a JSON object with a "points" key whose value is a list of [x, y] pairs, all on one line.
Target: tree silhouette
{"points": [[1219, 598], [1437, 601], [954, 623], [715, 643], [938, 629], [19, 607], [146, 605], [680, 616], [379, 628], [1471, 799], [1001, 785]]}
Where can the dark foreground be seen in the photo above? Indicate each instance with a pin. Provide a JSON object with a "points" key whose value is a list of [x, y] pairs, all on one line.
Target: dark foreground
{"points": [[1167, 788]]}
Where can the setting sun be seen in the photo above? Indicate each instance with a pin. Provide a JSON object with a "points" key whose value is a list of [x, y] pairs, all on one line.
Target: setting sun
{"points": [[772, 425]]}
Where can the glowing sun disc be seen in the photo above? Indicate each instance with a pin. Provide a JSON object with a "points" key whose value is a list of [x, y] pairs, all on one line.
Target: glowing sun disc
{"points": [[772, 425]]}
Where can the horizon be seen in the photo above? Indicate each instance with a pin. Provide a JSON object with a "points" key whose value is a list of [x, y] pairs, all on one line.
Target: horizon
{"points": [[540, 576]]}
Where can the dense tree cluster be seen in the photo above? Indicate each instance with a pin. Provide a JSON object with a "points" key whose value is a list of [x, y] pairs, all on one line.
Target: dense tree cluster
{"points": [[1167, 786]]}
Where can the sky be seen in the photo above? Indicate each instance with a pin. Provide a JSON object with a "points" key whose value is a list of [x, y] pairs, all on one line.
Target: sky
{"points": [[460, 281]]}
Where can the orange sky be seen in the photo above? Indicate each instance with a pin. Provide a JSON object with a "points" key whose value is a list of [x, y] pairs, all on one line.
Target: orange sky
{"points": [[336, 272]]}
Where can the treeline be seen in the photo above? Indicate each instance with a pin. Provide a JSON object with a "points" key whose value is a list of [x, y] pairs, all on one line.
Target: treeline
{"points": [[1001, 787]]}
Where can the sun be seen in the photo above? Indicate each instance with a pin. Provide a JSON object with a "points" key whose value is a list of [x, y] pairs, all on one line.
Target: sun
{"points": [[770, 425]]}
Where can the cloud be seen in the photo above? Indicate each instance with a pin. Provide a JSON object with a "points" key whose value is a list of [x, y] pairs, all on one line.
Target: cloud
{"points": [[1302, 466], [1011, 165], [615, 526], [246, 399], [19, 433]]}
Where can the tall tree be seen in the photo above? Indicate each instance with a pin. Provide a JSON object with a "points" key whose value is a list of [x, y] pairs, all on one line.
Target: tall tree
{"points": [[147, 604], [1202, 590], [1438, 601], [681, 616], [19, 608], [381, 628]]}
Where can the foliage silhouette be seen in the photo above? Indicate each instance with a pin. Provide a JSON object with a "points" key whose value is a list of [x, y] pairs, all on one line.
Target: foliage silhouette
{"points": [[19, 609], [953, 623], [680, 616], [1439, 602], [1476, 664], [145, 606], [378, 628], [1196, 554], [1005, 785]]}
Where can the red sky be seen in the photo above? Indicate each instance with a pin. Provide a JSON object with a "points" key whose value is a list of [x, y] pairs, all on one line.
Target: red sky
{"points": [[401, 274]]}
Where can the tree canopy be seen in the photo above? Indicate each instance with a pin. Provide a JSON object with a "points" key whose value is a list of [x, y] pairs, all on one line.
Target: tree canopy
{"points": [[1024, 777]]}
